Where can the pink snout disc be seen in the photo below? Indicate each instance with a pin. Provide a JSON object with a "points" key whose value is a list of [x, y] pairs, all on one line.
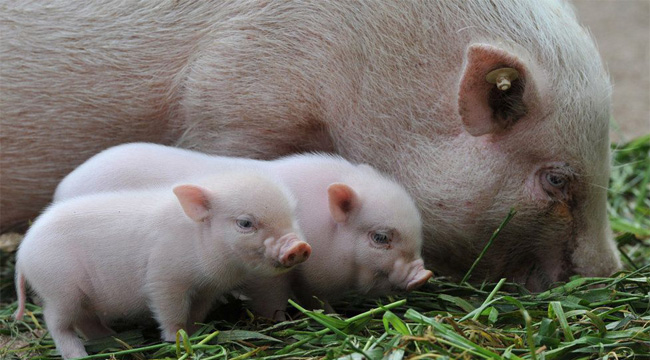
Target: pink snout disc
{"points": [[294, 253], [419, 279]]}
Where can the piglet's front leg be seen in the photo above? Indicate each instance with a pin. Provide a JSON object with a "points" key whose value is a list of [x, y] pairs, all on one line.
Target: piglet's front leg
{"points": [[200, 307], [312, 302], [171, 308], [269, 296]]}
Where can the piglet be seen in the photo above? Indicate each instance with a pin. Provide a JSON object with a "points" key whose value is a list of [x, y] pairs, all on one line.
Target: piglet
{"points": [[166, 251], [364, 228]]}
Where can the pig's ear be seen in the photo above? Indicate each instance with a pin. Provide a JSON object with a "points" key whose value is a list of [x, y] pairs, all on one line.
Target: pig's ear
{"points": [[342, 200], [194, 200], [496, 90]]}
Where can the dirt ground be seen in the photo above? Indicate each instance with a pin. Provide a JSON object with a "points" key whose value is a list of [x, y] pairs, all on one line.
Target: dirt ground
{"points": [[622, 32]]}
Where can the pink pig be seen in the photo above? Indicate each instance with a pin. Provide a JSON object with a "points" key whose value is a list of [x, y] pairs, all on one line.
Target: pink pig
{"points": [[364, 229], [112, 255]]}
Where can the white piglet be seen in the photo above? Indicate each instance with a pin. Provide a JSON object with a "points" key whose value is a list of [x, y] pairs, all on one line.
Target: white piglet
{"points": [[167, 252], [364, 228]]}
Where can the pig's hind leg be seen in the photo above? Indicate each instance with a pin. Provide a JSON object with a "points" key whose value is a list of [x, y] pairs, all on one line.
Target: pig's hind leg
{"points": [[92, 327], [59, 319]]}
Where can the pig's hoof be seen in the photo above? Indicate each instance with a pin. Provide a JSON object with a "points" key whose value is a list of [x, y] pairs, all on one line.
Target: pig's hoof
{"points": [[296, 254]]}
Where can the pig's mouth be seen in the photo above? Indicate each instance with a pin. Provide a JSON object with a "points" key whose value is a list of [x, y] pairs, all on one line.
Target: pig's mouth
{"points": [[256, 262], [383, 286], [542, 275], [537, 279], [378, 286], [281, 268], [538, 257]]}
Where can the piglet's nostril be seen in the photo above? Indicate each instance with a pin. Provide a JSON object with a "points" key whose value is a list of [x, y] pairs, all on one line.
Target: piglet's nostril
{"points": [[292, 257]]}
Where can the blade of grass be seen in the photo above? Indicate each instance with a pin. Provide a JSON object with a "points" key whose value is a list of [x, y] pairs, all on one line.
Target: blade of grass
{"points": [[320, 333], [322, 319], [555, 310], [489, 243], [398, 324], [529, 326], [451, 336], [487, 302]]}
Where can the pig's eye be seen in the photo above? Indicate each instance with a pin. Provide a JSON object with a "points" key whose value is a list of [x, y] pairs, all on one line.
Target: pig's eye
{"points": [[245, 224], [380, 238], [556, 180], [555, 183]]}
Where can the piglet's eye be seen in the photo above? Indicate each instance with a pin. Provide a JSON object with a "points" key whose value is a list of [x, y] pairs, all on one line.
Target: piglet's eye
{"points": [[245, 224], [380, 238]]}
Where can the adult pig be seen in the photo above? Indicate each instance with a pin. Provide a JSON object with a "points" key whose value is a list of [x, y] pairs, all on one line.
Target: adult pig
{"points": [[364, 228], [400, 85], [118, 254]]}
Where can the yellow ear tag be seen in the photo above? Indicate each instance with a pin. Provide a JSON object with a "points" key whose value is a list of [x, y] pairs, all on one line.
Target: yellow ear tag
{"points": [[503, 77]]}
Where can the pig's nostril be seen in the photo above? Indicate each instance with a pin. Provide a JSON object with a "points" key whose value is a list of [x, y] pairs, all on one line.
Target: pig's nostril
{"points": [[292, 257], [305, 254]]}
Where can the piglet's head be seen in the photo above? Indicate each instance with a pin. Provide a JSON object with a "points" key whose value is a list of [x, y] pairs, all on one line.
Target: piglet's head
{"points": [[247, 216], [382, 226]]}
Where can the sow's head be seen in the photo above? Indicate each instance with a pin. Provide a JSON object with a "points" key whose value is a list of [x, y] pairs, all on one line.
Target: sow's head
{"points": [[533, 135]]}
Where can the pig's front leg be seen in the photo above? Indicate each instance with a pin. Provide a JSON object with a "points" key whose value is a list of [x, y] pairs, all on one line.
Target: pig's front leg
{"points": [[170, 304], [269, 296], [200, 307], [312, 302]]}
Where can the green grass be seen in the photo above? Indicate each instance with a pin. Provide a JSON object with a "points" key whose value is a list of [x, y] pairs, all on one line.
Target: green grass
{"points": [[585, 318]]}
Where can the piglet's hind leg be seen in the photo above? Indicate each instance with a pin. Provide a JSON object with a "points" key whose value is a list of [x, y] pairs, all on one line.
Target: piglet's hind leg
{"points": [[62, 331], [92, 327]]}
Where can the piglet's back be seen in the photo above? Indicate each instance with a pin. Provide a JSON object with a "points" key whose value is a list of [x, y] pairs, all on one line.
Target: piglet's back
{"points": [[142, 165], [92, 219]]}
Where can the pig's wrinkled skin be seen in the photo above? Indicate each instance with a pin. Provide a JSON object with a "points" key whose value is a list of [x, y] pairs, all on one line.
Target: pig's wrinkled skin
{"points": [[169, 253], [396, 84], [341, 208]]}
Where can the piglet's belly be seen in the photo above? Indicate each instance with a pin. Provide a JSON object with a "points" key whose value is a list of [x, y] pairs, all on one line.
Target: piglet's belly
{"points": [[116, 297]]}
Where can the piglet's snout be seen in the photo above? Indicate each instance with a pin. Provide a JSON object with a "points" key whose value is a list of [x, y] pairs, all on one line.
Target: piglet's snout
{"points": [[419, 279], [409, 276], [293, 250]]}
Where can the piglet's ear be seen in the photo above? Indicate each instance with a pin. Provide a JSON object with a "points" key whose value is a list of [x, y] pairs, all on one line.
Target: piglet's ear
{"points": [[342, 200], [194, 200], [496, 90]]}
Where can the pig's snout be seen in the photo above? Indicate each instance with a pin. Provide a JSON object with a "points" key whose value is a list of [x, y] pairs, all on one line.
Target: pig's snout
{"points": [[419, 279], [409, 276], [293, 251]]}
